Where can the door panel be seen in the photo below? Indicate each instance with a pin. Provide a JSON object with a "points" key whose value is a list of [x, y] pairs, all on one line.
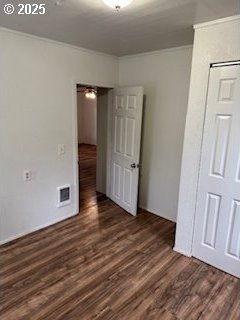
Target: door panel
{"points": [[116, 181], [222, 129], [126, 141], [118, 145], [211, 219], [129, 138], [217, 224], [127, 182], [233, 246], [238, 170]]}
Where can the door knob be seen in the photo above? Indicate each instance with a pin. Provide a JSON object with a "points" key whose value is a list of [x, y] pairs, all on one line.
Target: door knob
{"points": [[134, 165]]}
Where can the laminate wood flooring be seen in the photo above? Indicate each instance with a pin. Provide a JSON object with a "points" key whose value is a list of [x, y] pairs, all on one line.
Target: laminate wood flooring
{"points": [[105, 264]]}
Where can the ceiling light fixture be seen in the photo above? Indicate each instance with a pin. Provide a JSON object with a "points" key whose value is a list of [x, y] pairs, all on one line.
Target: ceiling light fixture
{"points": [[90, 93], [117, 4]]}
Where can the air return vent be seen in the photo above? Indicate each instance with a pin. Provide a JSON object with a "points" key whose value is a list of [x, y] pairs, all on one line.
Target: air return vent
{"points": [[64, 195]]}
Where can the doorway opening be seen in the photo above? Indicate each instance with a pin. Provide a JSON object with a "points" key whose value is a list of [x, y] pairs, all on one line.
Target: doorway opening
{"points": [[92, 119], [109, 150]]}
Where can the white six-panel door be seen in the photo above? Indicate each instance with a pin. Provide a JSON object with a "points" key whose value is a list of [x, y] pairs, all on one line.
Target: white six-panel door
{"points": [[217, 223], [125, 149]]}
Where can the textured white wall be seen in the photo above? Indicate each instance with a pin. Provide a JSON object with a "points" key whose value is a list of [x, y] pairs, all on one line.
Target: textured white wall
{"points": [[218, 41], [87, 119], [165, 76], [36, 114]]}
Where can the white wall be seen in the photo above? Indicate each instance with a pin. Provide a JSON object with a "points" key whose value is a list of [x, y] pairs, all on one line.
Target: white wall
{"points": [[217, 41], [36, 114], [165, 76], [87, 119]]}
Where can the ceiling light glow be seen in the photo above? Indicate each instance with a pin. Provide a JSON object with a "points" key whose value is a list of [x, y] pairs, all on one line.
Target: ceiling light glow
{"points": [[117, 4], [90, 94]]}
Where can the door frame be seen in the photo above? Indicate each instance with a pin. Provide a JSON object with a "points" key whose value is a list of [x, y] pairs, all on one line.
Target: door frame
{"points": [[75, 136]]}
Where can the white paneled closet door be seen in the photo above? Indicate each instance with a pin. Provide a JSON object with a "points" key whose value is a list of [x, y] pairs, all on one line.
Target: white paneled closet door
{"points": [[125, 151], [217, 223]]}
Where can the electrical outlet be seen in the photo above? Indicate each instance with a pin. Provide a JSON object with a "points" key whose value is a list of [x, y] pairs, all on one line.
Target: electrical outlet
{"points": [[61, 149], [27, 175]]}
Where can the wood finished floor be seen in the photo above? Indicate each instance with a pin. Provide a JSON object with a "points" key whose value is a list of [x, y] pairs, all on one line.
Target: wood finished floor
{"points": [[105, 264]]}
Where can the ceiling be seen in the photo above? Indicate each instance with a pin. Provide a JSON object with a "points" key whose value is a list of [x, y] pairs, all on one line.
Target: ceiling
{"points": [[145, 25]]}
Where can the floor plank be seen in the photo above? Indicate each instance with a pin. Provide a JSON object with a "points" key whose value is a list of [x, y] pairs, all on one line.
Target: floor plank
{"points": [[105, 264]]}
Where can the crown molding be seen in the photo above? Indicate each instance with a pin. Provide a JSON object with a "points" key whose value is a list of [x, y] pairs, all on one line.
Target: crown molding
{"points": [[214, 22], [155, 52], [58, 43]]}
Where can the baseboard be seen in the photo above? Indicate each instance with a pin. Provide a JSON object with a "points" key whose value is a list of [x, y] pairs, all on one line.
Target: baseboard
{"points": [[156, 213], [185, 253], [43, 226]]}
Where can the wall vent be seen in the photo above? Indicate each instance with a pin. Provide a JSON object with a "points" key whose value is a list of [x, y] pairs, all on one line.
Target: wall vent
{"points": [[64, 195]]}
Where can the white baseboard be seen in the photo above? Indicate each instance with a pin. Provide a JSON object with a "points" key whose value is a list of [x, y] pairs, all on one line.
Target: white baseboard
{"points": [[185, 253], [156, 213], [43, 226]]}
